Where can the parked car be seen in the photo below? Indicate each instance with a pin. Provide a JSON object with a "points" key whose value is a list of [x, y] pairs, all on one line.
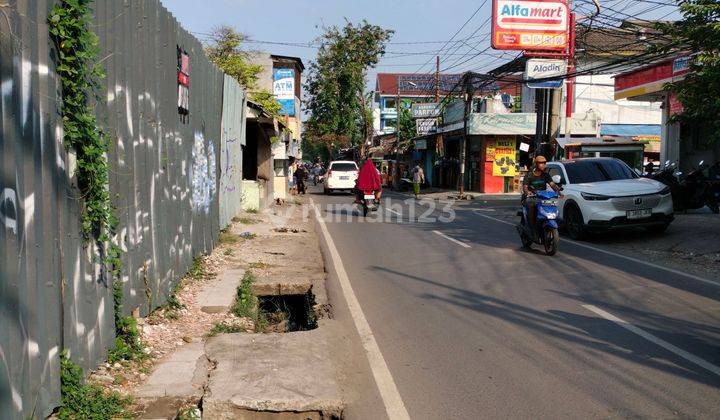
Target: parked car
{"points": [[602, 194], [341, 175]]}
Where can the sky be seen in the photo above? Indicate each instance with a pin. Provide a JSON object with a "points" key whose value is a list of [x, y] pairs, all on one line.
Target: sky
{"points": [[422, 27]]}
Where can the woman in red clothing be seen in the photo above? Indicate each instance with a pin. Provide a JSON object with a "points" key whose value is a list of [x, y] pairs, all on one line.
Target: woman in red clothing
{"points": [[369, 180]]}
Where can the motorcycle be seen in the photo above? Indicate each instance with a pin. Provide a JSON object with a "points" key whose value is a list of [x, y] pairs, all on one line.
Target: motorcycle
{"points": [[368, 203], [689, 192], [545, 231]]}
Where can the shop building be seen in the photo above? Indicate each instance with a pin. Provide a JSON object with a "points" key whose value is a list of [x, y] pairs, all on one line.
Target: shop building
{"points": [[686, 144]]}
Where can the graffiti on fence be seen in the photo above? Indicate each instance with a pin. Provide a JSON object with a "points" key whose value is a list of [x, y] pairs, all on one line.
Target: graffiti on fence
{"points": [[202, 175]]}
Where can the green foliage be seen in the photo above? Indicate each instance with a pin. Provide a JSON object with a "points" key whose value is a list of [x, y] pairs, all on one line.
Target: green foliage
{"points": [[699, 91], [223, 328], [246, 304], [407, 129], [128, 345], [77, 54], [339, 108], [83, 401], [197, 269], [225, 50], [267, 100]]}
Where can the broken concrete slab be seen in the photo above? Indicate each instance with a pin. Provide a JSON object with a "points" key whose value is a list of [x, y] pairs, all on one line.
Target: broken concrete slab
{"points": [[177, 381], [218, 297], [271, 373], [278, 281], [183, 374]]}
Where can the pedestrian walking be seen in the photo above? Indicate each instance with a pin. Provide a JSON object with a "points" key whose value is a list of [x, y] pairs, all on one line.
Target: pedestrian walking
{"points": [[418, 178], [291, 177]]}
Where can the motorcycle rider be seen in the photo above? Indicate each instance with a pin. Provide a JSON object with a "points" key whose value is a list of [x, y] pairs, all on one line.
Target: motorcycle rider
{"points": [[537, 180], [368, 180]]}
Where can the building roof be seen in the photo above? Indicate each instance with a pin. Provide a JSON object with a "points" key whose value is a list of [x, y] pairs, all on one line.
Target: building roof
{"points": [[297, 60]]}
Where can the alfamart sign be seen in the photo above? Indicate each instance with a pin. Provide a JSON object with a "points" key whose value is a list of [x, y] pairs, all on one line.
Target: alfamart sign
{"points": [[532, 25]]}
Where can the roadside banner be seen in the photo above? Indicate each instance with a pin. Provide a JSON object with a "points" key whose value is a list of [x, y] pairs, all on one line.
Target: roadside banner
{"points": [[531, 25], [504, 157]]}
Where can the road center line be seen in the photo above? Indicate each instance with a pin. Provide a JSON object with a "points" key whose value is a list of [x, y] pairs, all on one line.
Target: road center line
{"points": [[462, 244], [625, 257], [383, 378], [660, 342]]}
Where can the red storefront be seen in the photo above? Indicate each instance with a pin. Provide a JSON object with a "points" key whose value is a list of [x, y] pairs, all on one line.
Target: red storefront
{"points": [[648, 84]]}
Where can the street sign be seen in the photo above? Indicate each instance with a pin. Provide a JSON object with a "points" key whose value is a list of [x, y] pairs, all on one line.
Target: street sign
{"points": [[531, 25], [426, 110], [426, 126], [539, 68]]}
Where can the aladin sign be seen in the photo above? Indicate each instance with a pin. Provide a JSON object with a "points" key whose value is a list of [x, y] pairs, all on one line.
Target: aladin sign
{"points": [[531, 25]]}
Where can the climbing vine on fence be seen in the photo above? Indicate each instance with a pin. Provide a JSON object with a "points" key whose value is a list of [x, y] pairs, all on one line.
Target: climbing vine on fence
{"points": [[80, 75], [77, 55]]}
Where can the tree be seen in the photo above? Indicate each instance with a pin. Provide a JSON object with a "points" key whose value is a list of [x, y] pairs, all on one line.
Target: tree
{"points": [[225, 50], [406, 126], [340, 109], [699, 91]]}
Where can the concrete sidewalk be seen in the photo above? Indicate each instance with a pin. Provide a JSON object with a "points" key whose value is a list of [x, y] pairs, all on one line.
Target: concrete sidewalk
{"points": [[248, 375]]}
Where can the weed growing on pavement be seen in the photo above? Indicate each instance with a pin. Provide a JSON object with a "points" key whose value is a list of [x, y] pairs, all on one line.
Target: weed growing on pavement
{"points": [[189, 414], [84, 401], [246, 304], [258, 265], [253, 211], [228, 237], [223, 328], [197, 269], [229, 252]]}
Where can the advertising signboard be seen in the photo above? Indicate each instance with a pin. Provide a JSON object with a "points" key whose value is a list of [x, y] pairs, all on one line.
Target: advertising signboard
{"points": [[284, 90], [426, 110], [504, 158], [533, 25], [538, 68], [426, 126]]}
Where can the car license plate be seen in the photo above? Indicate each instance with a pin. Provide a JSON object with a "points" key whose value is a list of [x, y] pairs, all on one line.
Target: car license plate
{"points": [[369, 197], [639, 214], [344, 178]]}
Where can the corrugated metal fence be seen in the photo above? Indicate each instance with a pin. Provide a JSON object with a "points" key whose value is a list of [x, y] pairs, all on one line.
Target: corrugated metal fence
{"points": [[164, 182]]}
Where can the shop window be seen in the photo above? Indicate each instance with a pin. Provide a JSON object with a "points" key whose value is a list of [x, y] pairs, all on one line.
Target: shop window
{"points": [[390, 103]]}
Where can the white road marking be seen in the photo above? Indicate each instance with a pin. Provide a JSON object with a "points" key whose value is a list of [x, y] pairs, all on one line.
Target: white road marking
{"points": [[660, 342], [625, 257], [393, 211], [462, 244], [394, 405]]}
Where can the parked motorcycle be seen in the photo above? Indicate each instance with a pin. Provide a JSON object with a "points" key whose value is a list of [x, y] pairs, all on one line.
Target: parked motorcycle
{"points": [[545, 231], [689, 192]]}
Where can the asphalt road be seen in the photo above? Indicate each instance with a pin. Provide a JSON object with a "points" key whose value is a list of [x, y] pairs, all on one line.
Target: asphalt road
{"points": [[471, 326]]}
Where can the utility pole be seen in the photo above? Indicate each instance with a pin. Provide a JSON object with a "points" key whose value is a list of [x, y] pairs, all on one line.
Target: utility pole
{"points": [[571, 69], [437, 78], [463, 143], [396, 176]]}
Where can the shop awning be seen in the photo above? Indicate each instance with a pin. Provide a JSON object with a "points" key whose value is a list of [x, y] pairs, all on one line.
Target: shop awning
{"points": [[630, 130]]}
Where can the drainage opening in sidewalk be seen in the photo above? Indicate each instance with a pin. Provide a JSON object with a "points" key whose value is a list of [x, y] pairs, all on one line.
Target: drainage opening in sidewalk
{"points": [[287, 313]]}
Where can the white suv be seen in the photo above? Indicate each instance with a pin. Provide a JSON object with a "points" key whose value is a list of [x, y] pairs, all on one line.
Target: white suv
{"points": [[341, 175], [604, 193]]}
